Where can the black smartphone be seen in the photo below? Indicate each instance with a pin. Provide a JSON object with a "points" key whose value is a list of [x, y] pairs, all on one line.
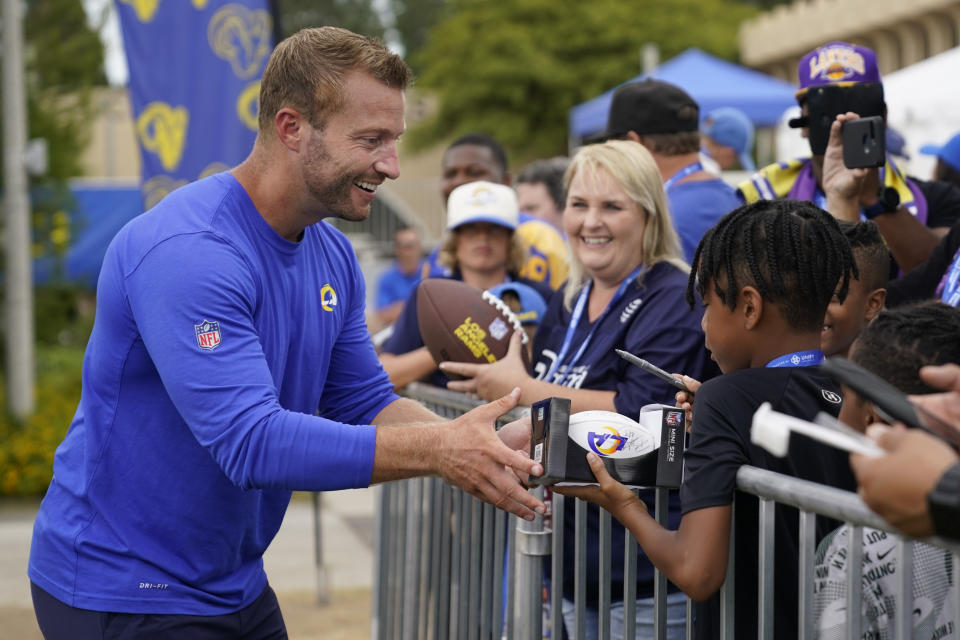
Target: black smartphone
{"points": [[892, 404], [864, 143]]}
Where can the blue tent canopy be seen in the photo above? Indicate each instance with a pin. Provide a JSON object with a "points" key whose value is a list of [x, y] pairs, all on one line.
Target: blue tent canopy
{"points": [[99, 212], [711, 82]]}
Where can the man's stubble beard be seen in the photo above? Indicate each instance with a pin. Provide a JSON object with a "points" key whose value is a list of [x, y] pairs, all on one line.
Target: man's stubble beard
{"points": [[333, 195]]}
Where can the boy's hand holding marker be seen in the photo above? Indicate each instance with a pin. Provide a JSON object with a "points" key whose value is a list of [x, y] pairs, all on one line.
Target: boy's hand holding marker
{"points": [[685, 398]]}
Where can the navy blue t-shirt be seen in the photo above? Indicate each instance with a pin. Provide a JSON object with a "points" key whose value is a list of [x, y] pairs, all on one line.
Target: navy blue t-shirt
{"points": [[651, 320], [406, 330]]}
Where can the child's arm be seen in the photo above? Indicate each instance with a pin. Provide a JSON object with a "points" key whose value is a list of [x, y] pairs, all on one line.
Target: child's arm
{"points": [[694, 557]]}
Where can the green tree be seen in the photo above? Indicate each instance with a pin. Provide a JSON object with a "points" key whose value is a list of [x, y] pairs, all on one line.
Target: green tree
{"points": [[413, 20], [514, 69], [64, 61], [356, 15]]}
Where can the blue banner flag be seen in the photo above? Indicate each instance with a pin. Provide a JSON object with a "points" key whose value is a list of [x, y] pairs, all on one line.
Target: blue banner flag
{"points": [[195, 68]]}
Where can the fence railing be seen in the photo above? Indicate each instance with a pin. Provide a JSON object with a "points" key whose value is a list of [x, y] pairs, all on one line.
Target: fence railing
{"points": [[450, 566]]}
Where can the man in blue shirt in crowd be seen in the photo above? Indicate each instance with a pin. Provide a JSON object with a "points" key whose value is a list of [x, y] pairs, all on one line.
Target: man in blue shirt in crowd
{"points": [[226, 319], [401, 277], [666, 120]]}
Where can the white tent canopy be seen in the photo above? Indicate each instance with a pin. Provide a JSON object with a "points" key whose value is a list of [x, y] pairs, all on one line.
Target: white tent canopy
{"points": [[923, 104]]}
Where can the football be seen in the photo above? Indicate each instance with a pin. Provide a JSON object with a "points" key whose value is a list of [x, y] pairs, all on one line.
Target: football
{"points": [[610, 435], [460, 323]]}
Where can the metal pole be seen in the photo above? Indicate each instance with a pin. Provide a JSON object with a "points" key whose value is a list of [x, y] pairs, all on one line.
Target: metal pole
{"points": [[19, 298], [533, 543]]}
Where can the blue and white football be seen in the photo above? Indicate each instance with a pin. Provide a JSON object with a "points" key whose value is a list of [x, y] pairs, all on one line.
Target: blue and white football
{"points": [[610, 435]]}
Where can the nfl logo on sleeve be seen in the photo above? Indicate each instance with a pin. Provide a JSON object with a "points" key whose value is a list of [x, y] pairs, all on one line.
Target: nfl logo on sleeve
{"points": [[208, 334]]}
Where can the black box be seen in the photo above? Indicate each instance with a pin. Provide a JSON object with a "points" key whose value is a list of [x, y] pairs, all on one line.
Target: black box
{"points": [[565, 462]]}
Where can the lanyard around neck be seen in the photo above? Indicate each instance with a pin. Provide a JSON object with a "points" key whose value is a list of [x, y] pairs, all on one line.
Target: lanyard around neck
{"points": [[681, 174], [798, 359], [575, 321]]}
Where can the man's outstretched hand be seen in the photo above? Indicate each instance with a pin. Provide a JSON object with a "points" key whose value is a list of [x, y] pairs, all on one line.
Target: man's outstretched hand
{"points": [[473, 457]]}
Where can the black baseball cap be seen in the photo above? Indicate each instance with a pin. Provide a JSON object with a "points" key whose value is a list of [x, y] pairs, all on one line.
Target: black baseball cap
{"points": [[651, 106]]}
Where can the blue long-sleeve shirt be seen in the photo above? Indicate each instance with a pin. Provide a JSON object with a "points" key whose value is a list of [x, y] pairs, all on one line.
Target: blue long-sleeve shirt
{"points": [[215, 342]]}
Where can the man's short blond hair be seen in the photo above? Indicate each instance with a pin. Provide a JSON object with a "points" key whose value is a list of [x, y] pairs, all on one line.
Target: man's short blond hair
{"points": [[306, 72]]}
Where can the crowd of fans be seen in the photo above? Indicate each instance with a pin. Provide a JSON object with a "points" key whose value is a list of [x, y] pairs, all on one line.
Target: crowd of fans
{"points": [[742, 292]]}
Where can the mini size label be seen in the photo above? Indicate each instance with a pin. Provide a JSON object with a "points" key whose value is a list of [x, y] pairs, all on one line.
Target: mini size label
{"points": [[538, 452]]}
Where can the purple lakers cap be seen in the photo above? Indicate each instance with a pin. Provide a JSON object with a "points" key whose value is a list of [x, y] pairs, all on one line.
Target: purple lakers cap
{"points": [[837, 63]]}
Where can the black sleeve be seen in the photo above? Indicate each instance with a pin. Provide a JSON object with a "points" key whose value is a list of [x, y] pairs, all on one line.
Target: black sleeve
{"points": [[921, 283], [717, 449], [943, 202]]}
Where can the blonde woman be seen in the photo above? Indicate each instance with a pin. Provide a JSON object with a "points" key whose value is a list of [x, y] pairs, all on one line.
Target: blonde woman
{"points": [[626, 291]]}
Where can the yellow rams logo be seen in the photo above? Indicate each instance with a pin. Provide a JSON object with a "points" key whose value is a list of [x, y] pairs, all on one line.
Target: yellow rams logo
{"points": [[240, 36], [156, 189], [162, 130], [145, 9], [200, 4], [328, 297], [248, 105]]}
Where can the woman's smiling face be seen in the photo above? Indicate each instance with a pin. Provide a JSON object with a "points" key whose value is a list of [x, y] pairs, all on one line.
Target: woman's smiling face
{"points": [[604, 226]]}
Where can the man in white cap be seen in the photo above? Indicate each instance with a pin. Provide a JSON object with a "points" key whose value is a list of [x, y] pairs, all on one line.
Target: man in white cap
{"points": [[481, 247]]}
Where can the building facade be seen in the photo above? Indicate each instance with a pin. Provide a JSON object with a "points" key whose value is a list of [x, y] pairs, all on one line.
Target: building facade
{"points": [[901, 33]]}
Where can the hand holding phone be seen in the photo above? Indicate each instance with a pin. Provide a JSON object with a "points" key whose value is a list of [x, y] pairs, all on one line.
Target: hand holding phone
{"points": [[864, 143]]}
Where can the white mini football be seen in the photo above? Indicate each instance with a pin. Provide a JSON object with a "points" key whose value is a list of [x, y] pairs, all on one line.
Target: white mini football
{"points": [[610, 435]]}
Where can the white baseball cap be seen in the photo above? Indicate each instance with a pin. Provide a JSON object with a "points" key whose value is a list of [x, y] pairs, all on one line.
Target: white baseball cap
{"points": [[482, 202]]}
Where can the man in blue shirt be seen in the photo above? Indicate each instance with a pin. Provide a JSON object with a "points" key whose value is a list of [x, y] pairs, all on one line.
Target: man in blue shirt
{"points": [[665, 119], [396, 283], [226, 318]]}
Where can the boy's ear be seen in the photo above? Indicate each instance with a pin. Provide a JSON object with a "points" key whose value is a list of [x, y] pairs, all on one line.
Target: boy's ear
{"points": [[870, 415], [876, 301], [750, 304]]}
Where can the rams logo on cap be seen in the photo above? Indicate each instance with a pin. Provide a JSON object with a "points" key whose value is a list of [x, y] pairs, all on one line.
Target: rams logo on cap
{"points": [[482, 196]]}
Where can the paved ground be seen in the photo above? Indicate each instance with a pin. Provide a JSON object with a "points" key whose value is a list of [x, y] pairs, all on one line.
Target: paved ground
{"points": [[347, 529]]}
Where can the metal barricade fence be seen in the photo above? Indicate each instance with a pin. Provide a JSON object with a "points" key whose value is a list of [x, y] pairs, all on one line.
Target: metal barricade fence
{"points": [[450, 566]]}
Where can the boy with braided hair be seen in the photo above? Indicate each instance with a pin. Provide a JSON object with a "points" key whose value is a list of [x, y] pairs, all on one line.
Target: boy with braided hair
{"points": [[765, 273]]}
